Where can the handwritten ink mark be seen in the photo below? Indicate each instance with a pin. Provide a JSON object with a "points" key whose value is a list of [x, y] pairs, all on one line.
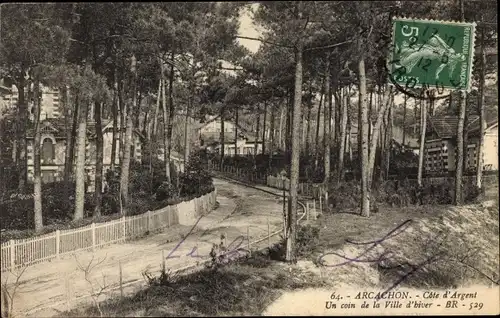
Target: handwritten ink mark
{"points": [[395, 232]]}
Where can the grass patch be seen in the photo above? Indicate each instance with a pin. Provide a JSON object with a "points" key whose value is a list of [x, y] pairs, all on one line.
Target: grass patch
{"points": [[245, 287]]}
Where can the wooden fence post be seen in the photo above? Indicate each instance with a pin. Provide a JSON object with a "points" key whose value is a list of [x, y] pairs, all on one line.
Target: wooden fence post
{"points": [[93, 236], [149, 220], [12, 254], [58, 242]]}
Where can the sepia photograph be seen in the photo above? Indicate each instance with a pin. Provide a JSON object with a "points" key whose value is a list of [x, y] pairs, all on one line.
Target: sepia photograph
{"points": [[249, 158]]}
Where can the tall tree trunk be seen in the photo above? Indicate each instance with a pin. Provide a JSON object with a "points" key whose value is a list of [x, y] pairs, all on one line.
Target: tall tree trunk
{"points": [[157, 109], [460, 150], [271, 144], [308, 140], [388, 140], [318, 118], [289, 125], [466, 137], [327, 124], [98, 159], [144, 128], [80, 161], [404, 120], [280, 133], [343, 133], [482, 128], [334, 118], [137, 111], [127, 144], [222, 136], [166, 140], [416, 114], [303, 130], [115, 121], [68, 160], [349, 135], [370, 116], [171, 107], [264, 128], [256, 135], [37, 175], [236, 131], [383, 106], [294, 167], [123, 120], [187, 129], [335, 128], [423, 128], [71, 140], [460, 135], [22, 119], [365, 126]]}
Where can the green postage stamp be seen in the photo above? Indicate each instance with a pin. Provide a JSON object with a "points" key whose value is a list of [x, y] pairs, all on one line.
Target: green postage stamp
{"points": [[432, 54]]}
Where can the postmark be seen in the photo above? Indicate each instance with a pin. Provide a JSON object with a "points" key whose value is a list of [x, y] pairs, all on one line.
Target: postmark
{"points": [[430, 55]]}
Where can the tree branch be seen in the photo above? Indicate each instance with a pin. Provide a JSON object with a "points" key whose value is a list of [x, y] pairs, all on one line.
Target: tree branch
{"points": [[263, 41], [327, 46]]}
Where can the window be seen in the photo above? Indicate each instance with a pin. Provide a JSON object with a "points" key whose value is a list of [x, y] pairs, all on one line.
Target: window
{"points": [[48, 151], [48, 176]]}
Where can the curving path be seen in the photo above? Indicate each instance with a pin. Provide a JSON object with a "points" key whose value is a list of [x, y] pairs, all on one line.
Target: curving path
{"points": [[61, 285]]}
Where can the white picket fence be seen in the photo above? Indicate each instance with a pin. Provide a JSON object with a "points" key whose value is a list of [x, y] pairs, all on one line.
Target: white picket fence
{"points": [[24, 252]]}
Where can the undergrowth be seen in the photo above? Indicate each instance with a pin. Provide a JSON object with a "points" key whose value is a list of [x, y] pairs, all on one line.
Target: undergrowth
{"points": [[240, 287]]}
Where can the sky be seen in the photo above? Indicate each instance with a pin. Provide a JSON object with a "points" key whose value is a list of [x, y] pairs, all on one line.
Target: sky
{"points": [[247, 28]]}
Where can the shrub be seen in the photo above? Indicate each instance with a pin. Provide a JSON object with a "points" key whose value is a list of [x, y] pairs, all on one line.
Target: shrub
{"points": [[58, 205], [307, 239], [196, 180], [166, 191], [147, 191], [346, 195], [278, 250]]}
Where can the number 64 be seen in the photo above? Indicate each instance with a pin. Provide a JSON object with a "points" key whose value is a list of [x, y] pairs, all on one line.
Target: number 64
{"points": [[412, 29]]}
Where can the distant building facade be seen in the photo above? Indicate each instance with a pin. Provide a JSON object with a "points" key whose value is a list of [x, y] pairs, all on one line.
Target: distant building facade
{"points": [[245, 143], [440, 144], [54, 130], [53, 150]]}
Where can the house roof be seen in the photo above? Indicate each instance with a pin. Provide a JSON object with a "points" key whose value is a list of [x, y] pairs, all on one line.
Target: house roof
{"points": [[446, 126]]}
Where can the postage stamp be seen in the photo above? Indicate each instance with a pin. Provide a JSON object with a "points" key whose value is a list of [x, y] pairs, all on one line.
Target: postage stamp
{"points": [[432, 54]]}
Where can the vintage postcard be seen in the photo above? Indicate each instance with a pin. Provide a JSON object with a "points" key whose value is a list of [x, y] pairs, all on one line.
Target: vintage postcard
{"points": [[254, 158]]}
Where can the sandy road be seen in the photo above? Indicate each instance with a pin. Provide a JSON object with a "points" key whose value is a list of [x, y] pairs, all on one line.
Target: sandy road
{"points": [[62, 284]]}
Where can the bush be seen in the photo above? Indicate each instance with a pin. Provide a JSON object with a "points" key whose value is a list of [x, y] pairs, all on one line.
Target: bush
{"points": [[147, 191], [400, 193], [58, 205], [196, 180], [307, 239], [166, 191]]}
